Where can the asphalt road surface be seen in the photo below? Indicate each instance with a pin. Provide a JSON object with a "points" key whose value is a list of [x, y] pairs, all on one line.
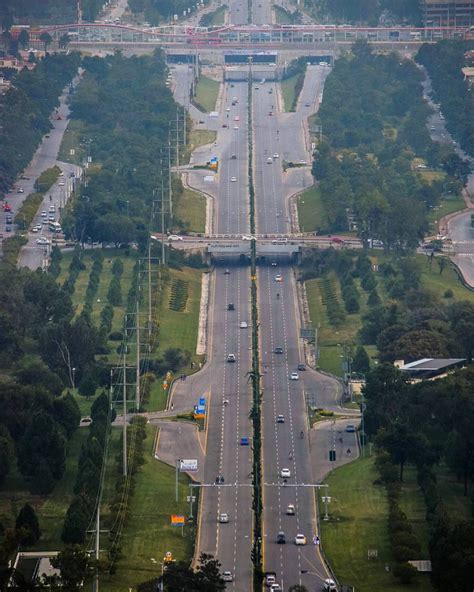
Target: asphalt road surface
{"points": [[285, 445]]}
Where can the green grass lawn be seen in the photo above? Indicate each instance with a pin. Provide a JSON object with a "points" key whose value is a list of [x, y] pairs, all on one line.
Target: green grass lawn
{"points": [[51, 509], [190, 209], [71, 140], [207, 91], [451, 491], [446, 206], [358, 523], [147, 533], [413, 504], [332, 339], [282, 16], [311, 212], [288, 91]]}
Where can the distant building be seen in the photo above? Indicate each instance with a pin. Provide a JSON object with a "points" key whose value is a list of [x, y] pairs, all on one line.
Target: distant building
{"points": [[430, 368], [35, 565], [442, 13]]}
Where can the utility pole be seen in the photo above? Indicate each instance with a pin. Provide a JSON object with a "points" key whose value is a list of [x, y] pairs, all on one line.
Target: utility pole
{"points": [[137, 390], [97, 547], [170, 184], [124, 434], [149, 293]]}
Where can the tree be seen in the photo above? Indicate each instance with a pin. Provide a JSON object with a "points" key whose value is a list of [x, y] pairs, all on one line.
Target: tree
{"points": [[46, 38], [207, 577], [77, 519], [402, 442], [88, 385], [361, 360], [24, 38], [7, 453], [75, 565], [27, 525], [67, 413], [43, 440], [41, 480], [64, 41]]}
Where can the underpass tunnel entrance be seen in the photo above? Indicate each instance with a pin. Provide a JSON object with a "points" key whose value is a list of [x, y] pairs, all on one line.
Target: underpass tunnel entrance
{"points": [[223, 261]]}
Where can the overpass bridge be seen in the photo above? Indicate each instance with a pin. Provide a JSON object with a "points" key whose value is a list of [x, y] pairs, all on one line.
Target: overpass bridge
{"points": [[269, 248], [264, 36]]}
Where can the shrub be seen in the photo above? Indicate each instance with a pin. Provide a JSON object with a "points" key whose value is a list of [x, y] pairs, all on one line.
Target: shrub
{"points": [[403, 553], [116, 336], [405, 572], [448, 293]]}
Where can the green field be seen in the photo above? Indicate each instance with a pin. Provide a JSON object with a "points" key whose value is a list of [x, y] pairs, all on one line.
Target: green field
{"points": [[71, 141], [51, 509], [311, 213], [147, 533], [190, 209], [446, 206], [358, 524], [196, 138], [207, 91], [288, 90], [332, 339]]}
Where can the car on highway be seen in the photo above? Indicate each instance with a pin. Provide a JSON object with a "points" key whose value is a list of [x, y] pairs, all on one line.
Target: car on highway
{"points": [[350, 428], [248, 237], [278, 350], [52, 218], [278, 278], [244, 441], [236, 118], [301, 367], [61, 183], [294, 376], [281, 538], [243, 324], [231, 358], [269, 160], [282, 240], [8, 228], [227, 272], [9, 221], [44, 213], [36, 229], [275, 587], [230, 306], [329, 585], [233, 179], [227, 108], [20, 190], [175, 237], [233, 157], [224, 518], [285, 473], [302, 161], [300, 539], [42, 241], [236, 127], [219, 479], [227, 576], [270, 578], [307, 104], [290, 510], [276, 155], [280, 418]]}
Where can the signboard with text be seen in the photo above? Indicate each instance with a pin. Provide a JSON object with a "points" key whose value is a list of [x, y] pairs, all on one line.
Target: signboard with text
{"points": [[188, 465]]}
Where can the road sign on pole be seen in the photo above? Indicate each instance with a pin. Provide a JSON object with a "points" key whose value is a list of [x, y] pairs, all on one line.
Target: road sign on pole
{"points": [[308, 333], [188, 465]]}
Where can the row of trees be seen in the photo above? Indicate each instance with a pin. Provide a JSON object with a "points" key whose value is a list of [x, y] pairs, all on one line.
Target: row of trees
{"points": [[366, 11], [426, 424], [156, 11], [444, 62], [124, 109], [374, 124], [25, 110]]}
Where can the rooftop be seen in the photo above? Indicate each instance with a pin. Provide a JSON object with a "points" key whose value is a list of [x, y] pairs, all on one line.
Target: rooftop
{"points": [[432, 364]]}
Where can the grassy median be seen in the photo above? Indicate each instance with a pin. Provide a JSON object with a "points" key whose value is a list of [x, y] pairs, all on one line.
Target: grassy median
{"points": [[207, 91]]}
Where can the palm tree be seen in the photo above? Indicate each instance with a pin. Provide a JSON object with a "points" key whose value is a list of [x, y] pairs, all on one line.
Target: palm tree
{"points": [[46, 38]]}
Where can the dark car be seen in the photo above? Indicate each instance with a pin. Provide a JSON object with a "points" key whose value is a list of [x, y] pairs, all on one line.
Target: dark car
{"points": [[278, 350], [230, 306], [281, 538], [301, 367]]}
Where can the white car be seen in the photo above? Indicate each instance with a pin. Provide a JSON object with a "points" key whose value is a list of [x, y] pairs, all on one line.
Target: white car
{"points": [[243, 324], [61, 183], [290, 510], [20, 190], [300, 539], [44, 213], [276, 155], [175, 237], [280, 419], [236, 127], [227, 108], [35, 229], [294, 376], [329, 585], [278, 278], [233, 179], [231, 358], [302, 161], [248, 237], [285, 473], [224, 518], [42, 241], [227, 576]]}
